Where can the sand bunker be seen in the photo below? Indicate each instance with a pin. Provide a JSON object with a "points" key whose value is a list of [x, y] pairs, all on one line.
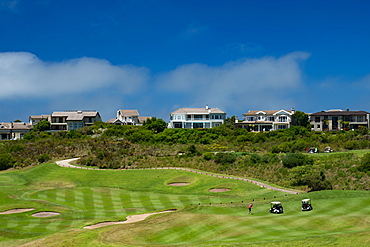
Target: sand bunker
{"points": [[130, 219], [17, 210], [45, 214], [178, 184], [219, 190]]}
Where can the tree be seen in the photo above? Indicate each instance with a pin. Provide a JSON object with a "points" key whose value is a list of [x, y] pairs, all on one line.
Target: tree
{"points": [[42, 126], [157, 125], [300, 118], [230, 122]]}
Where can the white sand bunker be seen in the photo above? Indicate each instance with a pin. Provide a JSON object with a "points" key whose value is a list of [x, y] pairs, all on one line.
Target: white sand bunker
{"points": [[219, 190], [178, 184], [17, 210], [45, 214], [130, 219]]}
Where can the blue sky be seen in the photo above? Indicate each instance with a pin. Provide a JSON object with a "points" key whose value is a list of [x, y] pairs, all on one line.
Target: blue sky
{"points": [[159, 55]]}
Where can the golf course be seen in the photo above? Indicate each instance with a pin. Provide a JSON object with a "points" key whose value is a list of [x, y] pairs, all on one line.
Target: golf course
{"points": [[69, 200]]}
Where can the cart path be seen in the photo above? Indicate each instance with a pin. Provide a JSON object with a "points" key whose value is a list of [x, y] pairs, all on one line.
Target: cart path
{"points": [[66, 163]]}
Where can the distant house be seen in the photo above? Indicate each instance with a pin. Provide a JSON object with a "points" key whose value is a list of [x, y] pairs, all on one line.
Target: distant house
{"points": [[266, 120], [70, 120], [339, 119], [34, 119], [192, 118], [128, 117], [14, 131]]}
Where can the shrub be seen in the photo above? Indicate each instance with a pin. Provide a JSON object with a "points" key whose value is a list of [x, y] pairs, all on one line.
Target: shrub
{"points": [[365, 163], [291, 160], [43, 158], [208, 156], [351, 145], [225, 158], [6, 161]]}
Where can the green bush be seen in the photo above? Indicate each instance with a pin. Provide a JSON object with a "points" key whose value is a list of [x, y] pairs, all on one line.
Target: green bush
{"points": [[6, 161], [291, 160], [225, 158], [351, 145], [365, 163], [43, 158]]}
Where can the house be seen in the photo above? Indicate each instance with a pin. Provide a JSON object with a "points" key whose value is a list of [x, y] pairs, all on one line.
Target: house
{"points": [[339, 119], [14, 131], [266, 120], [128, 117], [192, 118], [69, 120], [34, 119]]}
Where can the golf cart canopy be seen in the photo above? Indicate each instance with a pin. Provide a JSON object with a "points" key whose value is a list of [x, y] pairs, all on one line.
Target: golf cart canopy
{"points": [[306, 200], [275, 202]]}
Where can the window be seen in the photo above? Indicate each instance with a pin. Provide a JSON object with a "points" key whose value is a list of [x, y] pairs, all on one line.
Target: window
{"points": [[216, 124], [271, 119], [283, 119], [198, 117], [318, 126], [197, 125], [317, 119], [261, 118], [360, 119], [282, 126], [250, 119]]}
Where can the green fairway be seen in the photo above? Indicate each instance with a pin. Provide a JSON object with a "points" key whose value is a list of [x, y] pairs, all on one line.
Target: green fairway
{"points": [[84, 197]]}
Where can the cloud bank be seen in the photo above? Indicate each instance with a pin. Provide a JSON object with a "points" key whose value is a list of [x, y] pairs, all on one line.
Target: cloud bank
{"points": [[23, 74], [257, 83]]}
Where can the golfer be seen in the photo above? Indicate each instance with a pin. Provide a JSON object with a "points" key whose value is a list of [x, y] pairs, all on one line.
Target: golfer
{"points": [[250, 208]]}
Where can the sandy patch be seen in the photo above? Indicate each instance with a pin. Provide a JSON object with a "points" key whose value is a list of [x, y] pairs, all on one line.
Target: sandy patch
{"points": [[219, 190], [17, 210], [178, 184], [45, 214], [130, 219]]}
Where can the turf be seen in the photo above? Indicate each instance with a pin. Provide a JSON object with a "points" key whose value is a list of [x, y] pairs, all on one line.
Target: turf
{"points": [[84, 197]]}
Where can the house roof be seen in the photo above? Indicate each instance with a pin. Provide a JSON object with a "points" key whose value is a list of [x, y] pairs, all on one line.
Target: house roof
{"points": [[39, 117], [267, 112], [16, 126], [129, 113], [143, 119], [75, 115], [198, 111], [340, 113]]}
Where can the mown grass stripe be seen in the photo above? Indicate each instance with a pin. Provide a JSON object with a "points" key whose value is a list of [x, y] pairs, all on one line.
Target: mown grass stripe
{"points": [[88, 199], [126, 200], [79, 199]]}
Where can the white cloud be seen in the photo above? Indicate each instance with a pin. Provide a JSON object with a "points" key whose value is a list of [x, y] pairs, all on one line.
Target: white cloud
{"points": [[249, 83], [23, 74]]}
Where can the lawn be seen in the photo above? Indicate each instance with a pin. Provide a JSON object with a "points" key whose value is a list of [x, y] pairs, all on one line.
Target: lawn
{"points": [[85, 197]]}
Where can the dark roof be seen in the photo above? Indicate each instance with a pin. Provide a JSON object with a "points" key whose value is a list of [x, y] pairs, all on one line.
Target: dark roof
{"points": [[340, 113]]}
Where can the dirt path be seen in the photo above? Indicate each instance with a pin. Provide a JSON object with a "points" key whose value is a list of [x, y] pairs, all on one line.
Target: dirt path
{"points": [[130, 219], [66, 163]]}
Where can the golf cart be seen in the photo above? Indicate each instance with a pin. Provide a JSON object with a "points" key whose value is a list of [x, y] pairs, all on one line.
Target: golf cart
{"points": [[276, 208], [311, 150], [306, 205]]}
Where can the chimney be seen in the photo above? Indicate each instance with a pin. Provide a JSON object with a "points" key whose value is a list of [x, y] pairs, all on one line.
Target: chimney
{"points": [[347, 109], [207, 107]]}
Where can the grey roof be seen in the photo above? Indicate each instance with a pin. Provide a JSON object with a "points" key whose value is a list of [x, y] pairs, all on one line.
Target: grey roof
{"points": [[198, 111], [75, 115]]}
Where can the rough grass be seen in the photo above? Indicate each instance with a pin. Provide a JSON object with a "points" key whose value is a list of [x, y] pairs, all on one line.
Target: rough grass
{"points": [[84, 197]]}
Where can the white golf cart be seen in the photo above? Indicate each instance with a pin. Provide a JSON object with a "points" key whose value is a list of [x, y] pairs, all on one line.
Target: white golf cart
{"points": [[306, 205], [276, 208]]}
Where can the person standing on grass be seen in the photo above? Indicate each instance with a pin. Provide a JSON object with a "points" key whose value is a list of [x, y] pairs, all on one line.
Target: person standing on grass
{"points": [[250, 208]]}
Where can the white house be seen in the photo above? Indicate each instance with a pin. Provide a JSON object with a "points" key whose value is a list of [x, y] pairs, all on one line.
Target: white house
{"points": [[266, 120], [192, 118]]}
